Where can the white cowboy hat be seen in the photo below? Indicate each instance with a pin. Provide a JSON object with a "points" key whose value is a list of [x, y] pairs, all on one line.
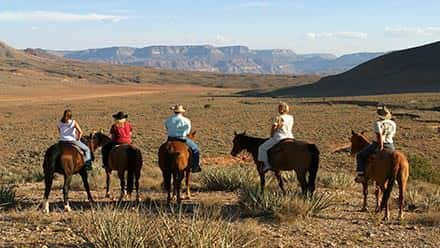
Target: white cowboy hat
{"points": [[178, 109]]}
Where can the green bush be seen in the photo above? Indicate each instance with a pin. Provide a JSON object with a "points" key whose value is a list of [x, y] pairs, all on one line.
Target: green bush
{"points": [[422, 169], [7, 195], [336, 180]]}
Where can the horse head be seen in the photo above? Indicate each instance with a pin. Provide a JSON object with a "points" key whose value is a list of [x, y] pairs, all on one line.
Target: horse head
{"points": [[358, 142], [238, 143], [99, 139]]}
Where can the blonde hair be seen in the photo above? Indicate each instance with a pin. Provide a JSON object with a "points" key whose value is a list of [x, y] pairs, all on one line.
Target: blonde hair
{"points": [[283, 108], [120, 122]]}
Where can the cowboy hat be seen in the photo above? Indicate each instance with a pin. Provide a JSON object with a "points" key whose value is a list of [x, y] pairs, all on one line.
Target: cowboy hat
{"points": [[178, 109], [384, 113], [120, 115]]}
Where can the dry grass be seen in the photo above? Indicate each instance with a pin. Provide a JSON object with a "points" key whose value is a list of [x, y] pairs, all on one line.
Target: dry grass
{"points": [[157, 227]]}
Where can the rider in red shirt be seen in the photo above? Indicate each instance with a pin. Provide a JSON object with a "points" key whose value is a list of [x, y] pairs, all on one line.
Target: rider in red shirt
{"points": [[121, 134]]}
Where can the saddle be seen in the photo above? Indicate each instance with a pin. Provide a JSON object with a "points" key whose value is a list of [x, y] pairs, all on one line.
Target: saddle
{"points": [[70, 144], [278, 146]]}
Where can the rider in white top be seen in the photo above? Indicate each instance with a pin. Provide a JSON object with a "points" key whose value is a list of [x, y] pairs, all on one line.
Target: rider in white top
{"points": [[281, 129]]}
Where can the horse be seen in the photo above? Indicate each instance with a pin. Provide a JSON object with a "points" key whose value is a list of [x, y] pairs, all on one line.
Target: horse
{"points": [[289, 154], [125, 157], [383, 168], [175, 163], [66, 159]]}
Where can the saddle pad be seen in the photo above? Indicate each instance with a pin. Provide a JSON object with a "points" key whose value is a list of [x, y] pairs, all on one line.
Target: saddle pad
{"points": [[67, 143]]}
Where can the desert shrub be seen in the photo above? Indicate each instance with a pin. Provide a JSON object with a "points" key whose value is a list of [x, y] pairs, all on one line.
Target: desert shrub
{"points": [[431, 200], [34, 175], [113, 227], [422, 169], [294, 204], [227, 178], [336, 180], [7, 195]]}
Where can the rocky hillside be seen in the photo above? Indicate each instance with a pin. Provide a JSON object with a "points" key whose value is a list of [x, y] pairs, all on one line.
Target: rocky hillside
{"points": [[36, 65], [231, 59], [406, 71]]}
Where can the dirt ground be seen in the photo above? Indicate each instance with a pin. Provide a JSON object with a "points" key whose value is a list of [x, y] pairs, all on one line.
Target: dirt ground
{"points": [[28, 119]]}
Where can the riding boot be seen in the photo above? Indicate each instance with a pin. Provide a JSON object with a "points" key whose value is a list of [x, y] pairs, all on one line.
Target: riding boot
{"points": [[196, 163], [88, 165], [266, 167]]}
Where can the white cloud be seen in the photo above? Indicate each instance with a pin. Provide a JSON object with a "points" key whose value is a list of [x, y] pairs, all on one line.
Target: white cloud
{"points": [[337, 35], [33, 28], [56, 16], [411, 31], [221, 38], [255, 4]]}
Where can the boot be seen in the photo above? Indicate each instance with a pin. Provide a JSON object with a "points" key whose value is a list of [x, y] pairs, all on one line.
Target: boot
{"points": [[196, 168]]}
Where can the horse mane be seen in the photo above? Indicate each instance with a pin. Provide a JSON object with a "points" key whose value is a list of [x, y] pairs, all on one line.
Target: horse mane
{"points": [[251, 144], [363, 137]]}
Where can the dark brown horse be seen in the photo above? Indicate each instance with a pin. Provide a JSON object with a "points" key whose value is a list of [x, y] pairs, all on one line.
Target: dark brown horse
{"points": [[125, 158], [384, 168], [287, 155], [174, 161], [66, 159]]}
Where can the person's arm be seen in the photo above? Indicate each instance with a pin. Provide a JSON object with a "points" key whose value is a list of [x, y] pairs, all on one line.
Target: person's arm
{"points": [[80, 132], [131, 129], [273, 129], [379, 140]]}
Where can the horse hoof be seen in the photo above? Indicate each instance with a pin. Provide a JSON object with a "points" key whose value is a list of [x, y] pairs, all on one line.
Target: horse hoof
{"points": [[107, 196], [364, 210], [67, 208]]}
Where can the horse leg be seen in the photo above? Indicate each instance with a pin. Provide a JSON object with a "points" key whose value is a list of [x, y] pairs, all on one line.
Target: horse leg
{"points": [[86, 185], [301, 176], [130, 181], [136, 184], [377, 194], [178, 184], [187, 181], [280, 181], [262, 180], [48, 180], [122, 181], [167, 184], [66, 187], [402, 189], [365, 193], [107, 183]]}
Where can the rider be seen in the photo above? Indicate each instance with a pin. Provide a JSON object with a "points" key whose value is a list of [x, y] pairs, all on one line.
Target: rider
{"points": [[70, 131], [178, 127], [281, 129], [385, 129], [121, 132]]}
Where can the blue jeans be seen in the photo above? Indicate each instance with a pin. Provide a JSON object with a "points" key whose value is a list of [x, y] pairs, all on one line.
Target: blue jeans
{"points": [[194, 149], [363, 155], [85, 148]]}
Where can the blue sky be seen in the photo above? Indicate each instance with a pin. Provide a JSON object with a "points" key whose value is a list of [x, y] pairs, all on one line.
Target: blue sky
{"points": [[304, 26]]}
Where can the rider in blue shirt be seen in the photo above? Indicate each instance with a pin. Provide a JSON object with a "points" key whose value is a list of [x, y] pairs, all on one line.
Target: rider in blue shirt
{"points": [[178, 127]]}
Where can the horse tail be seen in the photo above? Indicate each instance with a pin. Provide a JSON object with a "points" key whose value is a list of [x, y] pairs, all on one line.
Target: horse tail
{"points": [[314, 165], [391, 177]]}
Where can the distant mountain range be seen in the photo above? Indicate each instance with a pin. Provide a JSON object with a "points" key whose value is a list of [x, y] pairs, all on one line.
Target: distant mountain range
{"points": [[406, 71], [230, 59]]}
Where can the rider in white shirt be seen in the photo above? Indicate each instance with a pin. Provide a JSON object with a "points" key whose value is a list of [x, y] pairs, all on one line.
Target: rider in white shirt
{"points": [[281, 129], [385, 129]]}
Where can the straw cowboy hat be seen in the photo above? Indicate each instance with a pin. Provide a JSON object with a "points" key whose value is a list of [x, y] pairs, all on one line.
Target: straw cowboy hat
{"points": [[178, 109], [383, 112], [120, 115]]}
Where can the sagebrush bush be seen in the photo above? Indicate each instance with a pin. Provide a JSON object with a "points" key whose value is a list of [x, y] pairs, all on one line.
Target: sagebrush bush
{"points": [[227, 178], [113, 227], [422, 169], [7, 195], [336, 180], [294, 204]]}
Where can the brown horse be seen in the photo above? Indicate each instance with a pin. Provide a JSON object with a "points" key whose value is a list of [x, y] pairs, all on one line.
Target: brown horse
{"points": [[286, 155], [122, 158], [66, 159], [174, 161], [384, 168]]}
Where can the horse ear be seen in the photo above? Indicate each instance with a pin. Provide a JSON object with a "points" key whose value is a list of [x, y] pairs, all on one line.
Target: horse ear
{"points": [[235, 133], [352, 132], [194, 132], [363, 132], [244, 133]]}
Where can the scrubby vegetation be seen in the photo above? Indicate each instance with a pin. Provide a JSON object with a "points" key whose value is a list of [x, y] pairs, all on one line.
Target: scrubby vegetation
{"points": [[422, 169]]}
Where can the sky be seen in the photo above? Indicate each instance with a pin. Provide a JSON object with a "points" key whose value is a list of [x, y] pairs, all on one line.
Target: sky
{"points": [[313, 26]]}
